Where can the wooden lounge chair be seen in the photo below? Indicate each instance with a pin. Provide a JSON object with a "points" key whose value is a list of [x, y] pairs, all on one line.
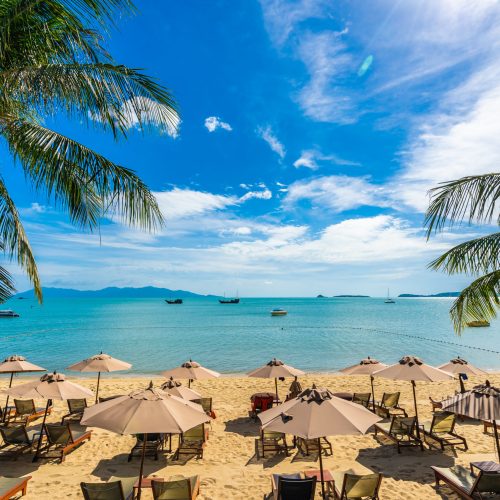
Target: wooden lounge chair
{"points": [[441, 429], [465, 484], [274, 442], [154, 443], [488, 424], [115, 488], [362, 398], [306, 446], [389, 406], [62, 439], [192, 442], [11, 486], [25, 411], [400, 430], [76, 407], [17, 439], [352, 486], [293, 487], [260, 403], [176, 487], [435, 405], [206, 404]]}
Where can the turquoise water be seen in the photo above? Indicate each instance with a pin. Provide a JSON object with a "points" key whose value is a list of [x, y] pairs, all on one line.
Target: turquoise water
{"points": [[317, 334]]}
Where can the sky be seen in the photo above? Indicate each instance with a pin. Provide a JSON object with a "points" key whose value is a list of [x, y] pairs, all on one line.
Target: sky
{"points": [[310, 134]]}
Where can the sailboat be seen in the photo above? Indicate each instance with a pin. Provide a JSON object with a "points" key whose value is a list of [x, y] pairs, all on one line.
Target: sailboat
{"points": [[389, 300], [230, 301]]}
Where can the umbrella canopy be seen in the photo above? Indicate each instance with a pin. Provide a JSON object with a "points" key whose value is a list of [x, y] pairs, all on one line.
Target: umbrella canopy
{"points": [[177, 389], [191, 370], [458, 366], [366, 366]]}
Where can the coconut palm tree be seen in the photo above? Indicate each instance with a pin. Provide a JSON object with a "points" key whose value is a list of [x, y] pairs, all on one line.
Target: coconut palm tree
{"points": [[52, 63], [473, 200]]}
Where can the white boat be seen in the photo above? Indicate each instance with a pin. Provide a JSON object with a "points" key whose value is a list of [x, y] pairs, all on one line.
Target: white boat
{"points": [[278, 312], [389, 300], [8, 313]]}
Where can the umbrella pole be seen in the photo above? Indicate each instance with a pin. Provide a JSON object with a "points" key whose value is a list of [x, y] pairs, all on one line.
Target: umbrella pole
{"points": [[97, 390], [189, 383], [373, 393], [39, 445], [141, 470], [497, 441], [321, 469], [462, 386], [413, 384], [7, 402], [276, 387]]}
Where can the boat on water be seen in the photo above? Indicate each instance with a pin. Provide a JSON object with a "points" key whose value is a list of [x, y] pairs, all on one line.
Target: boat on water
{"points": [[8, 313], [173, 301], [279, 312], [389, 299], [229, 301], [478, 324]]}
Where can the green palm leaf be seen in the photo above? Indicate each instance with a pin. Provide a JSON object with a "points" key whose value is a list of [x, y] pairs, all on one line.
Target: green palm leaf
{"points": [[6, 283]]}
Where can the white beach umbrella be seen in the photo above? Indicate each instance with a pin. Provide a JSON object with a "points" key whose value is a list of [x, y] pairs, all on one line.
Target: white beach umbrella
{"points": [[177, 389], [191, 370], [458, 366]]}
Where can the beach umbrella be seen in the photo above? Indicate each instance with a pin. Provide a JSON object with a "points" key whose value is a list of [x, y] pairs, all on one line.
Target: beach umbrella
{"points": [[413, 369], [191, 370], [458, 366], [482, 403], [50, 386], [145, 411], [367, 366], [17, 364], [99, 363], [317, 413], [275, 369], [177, 389]]}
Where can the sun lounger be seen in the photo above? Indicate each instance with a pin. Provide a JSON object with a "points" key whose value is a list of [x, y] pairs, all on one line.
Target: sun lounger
{"points": [[25, 411], [11, 486], [488, 424], [154, 443], [274, 442], [436, 405], [176, 487], [260, 403], [389, 406], [347, 485], [17, 439], [62, 439], [306, 446], [441, 429], [192, 442], [76, 407], [116, 488], [362, 398], [400, 430], [206, 404], [293, 487], [465, 484]]}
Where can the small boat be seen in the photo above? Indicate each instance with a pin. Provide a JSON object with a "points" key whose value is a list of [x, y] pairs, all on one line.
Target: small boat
{"points": [[229, 301], [478, 324], [389, 300], [278, 312], [173, 301], [8, 313]]}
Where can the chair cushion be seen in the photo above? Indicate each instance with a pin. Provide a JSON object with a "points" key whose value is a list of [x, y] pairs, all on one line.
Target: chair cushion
{"points": [[458, 475], [78, 434], [7, 483], [384, 426]]}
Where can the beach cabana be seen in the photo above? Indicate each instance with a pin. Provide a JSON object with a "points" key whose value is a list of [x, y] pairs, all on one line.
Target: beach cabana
{"points": [[177, 389], [99, 363], [191, 370], [146, 411], [315, 414], [275, 369], [16, 364], [459, 366]]}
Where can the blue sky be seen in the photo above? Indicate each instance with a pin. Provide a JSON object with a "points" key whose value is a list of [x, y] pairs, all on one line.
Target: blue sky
{"points": [[310, 134]]}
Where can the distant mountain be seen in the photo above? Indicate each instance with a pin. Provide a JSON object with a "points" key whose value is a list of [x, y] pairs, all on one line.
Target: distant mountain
{"points": [[112, 292], [442, 294]]}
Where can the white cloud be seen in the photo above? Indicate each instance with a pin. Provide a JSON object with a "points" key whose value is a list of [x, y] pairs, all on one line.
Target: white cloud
{"points": [[309, 159], [267, 134], [212, 123], [265, 194]]}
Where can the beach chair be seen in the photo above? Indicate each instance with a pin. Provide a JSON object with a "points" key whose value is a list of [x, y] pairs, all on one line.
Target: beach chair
{"points": [[25, 411], [176, 487], [465, 484], [115, 488], [274, 442], [11, 486], [260, 404], [62, 439], [435, 405], [206, 404], [441, 429], [400, 430], [192, 442], [362, 398], [306, 446], [389, 406], [488, 425], [352, 486], [293, 487], [76, 407], [154, 443], [17, 439]]}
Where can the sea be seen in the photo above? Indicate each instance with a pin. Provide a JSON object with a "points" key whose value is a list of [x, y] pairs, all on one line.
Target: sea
{"points": [[317, 335]]}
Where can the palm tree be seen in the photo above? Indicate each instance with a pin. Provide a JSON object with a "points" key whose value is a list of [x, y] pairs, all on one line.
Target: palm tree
{"points": [[52, 63], [473, 200]]}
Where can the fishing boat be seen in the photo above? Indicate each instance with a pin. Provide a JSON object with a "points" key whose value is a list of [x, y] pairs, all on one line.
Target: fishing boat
{"points": [[8, 313], [173, 301], [229, 301], [279, 312], [389, 300]]}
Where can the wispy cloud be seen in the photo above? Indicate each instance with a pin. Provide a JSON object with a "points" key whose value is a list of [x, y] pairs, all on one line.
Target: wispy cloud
{"points": [[267, 134], [265, 194], [311, 158], [212, 123]]}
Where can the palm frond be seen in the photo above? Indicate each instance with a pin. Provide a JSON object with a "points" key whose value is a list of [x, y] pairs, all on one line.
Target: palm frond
{"points": [[14, 240], [6, 285], [470, 198]]}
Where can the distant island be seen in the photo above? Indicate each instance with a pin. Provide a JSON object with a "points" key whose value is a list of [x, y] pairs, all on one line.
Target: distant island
{"points": [[145, 292], [353, 296], [442, 294]]}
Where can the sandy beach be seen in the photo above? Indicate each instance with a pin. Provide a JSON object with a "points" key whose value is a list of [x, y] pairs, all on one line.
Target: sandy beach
{"points": [[232, 469]]}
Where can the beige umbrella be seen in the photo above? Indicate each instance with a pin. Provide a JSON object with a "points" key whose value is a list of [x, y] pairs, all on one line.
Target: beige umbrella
{"points": [[177, 389], [275, 369], [49, 386], [367, 366], [145, 412], [17, 364], [191, 370], [413, 369], [99, 363], [317, 413], [458, 366]]}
